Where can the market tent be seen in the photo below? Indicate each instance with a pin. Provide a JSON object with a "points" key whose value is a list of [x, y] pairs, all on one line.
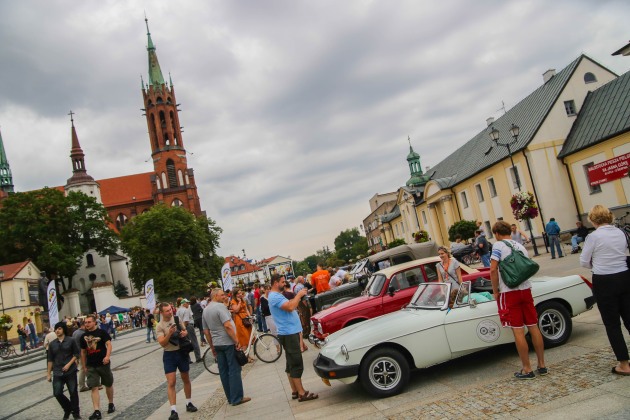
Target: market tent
{"points": [[113, 310]]}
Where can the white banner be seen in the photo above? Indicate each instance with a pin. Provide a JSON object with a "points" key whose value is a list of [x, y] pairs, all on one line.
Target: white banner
{"points": [[149, 293], [53, 310], [226, 277]]}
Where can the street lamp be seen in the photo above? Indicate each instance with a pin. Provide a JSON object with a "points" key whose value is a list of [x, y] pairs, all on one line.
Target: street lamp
{"points": [[514, 132]]}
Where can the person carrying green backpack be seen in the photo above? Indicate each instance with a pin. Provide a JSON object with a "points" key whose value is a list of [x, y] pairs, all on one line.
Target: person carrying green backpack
{"points": [[516, 304]]}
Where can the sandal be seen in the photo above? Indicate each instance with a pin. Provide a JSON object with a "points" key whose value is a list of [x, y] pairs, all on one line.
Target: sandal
{"points": [[295, 395], [308, 396]]}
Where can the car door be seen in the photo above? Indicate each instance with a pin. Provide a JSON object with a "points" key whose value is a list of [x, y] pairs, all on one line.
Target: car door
{"points": [[405, 284], [474, 327]]}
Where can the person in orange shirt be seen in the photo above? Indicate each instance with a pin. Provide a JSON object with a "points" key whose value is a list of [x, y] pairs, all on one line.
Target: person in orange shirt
{"points": [[320, 279]]}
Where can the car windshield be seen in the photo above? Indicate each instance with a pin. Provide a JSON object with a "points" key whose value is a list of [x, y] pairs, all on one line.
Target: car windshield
{"points": [[375, 285], [359, 266], [431, 296]]}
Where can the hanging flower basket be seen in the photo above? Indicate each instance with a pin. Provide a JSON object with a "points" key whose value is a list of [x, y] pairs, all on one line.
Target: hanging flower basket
{"points": [[524, 206], [421, 236], [6, 322]]}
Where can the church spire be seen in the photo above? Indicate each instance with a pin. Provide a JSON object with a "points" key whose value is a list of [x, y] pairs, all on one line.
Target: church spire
{"points": [[417, 179], [155, 73], [6, 180], [79, 174]]}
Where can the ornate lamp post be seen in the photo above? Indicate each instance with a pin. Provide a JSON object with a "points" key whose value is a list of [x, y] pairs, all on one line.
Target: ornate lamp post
{"points": [[514, 132]]}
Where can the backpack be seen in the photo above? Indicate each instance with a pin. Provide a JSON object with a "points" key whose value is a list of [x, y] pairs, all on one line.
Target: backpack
{"points": [[516, 267]]}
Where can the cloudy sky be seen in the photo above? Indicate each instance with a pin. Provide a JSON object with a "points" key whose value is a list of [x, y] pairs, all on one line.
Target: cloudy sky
{"points": [[295, 112]]}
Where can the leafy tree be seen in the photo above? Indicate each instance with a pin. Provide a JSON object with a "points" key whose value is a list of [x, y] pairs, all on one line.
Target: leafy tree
{"points": [[465, 228], [311, 261], [302, 268], [395, 243], [174, 248], [54, 231], [120, 290], [349, 244]]}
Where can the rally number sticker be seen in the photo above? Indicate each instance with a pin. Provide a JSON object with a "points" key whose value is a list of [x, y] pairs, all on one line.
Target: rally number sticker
{"points": [[488, 331]]}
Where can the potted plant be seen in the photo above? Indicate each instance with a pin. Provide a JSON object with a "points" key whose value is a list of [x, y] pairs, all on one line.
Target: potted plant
{"points": [[421, 236], [6, 323], [524, 206]]}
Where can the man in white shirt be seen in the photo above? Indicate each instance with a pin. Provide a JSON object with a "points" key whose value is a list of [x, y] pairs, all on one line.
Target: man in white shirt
{"points": [[185, 315]]}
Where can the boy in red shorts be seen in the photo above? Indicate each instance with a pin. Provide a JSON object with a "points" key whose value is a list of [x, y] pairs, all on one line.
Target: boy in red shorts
{"points": [[516, 306]]}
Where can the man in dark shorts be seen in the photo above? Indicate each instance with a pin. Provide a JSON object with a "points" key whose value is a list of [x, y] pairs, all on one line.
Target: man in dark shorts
{"points": [[173, 359], [516, 306], [289, 328], [96, 349]]}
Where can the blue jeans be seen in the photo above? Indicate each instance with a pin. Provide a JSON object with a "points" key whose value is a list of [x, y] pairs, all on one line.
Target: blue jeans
{"points": [[575, 240], [22, 342], [149, 331], [555, 240], [230, 373], [485, 259], [260, 319], [34, 339], [70, 380]]}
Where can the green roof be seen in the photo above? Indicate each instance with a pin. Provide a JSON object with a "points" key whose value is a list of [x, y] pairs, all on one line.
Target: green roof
{"points": [[480, 153], [604, 114], [155, 72]]}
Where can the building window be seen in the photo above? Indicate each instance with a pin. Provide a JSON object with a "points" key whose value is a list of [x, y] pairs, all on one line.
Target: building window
{"points": [[21, 294], [170, 170], [180, 178], [569, 107], [90, 260], [424, 217], [593, 189], [92, 277], [177, 203], [515, 177], [464, 199], [121, 221], [589, 78], [479, 192], [492, 187], [402, 227]]}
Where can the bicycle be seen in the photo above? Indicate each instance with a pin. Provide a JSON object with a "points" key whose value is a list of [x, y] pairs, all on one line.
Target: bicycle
{"points": [[7, 350], [266, 347]]}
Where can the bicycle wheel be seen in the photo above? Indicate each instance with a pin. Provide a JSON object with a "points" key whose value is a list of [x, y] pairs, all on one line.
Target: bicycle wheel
{"points": [[267, 348], [210, 362], [4, 352]]}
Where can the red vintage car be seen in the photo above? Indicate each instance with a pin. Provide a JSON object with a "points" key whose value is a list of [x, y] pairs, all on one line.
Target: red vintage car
{"points": [[387, 291]]}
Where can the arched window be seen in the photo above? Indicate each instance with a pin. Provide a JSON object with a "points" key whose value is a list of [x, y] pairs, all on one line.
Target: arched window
{"points": [[177, 203], [159, 100], [175, 139], [172, 177], [180, 177], [92, 277], [187, 180], [90, 260], [157, 181], [121, 220], [156, 145], [589, 78], [162, 120], [164, 183]]}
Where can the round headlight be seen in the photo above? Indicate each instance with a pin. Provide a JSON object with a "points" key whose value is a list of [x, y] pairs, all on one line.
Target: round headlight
{"points": [[344, 351], [320, 329]]}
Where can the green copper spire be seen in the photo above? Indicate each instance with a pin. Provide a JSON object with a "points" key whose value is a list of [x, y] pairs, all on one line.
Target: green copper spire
{"points": [[155, 73], [6, 180], [417, 179]]}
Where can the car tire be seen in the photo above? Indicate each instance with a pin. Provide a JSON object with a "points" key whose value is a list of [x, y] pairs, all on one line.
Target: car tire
{"points": [[555, 324], [384, 372]]}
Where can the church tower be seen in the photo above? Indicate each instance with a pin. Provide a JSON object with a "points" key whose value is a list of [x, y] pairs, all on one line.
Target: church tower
{"points": [[417, 178], [173, 182], [6, 180], [80, 180]]}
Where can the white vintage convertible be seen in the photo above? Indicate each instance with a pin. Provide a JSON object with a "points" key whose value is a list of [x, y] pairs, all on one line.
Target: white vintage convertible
{"points": [[381, 352]]}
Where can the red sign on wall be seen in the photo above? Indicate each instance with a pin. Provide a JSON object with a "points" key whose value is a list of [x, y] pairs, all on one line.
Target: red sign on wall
{"points": [[609, 170]]}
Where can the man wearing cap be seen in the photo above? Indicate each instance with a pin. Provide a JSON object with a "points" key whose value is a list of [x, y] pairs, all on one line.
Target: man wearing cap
{"points": [[63, 353], [186, 317]]}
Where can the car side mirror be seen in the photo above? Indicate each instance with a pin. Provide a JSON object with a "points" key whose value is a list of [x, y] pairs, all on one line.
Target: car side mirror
{"points": [[391, 290], [473, 303]]}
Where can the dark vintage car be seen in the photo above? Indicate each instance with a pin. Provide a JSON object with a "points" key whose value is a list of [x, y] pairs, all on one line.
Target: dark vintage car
{"points": [[362, 270]]}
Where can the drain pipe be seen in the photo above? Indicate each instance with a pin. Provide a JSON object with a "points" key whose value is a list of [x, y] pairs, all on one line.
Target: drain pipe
{"points": [[579, 216]]}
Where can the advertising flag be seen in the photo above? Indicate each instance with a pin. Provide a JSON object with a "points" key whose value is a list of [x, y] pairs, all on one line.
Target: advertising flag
{"points": [[53, 310], [226, 277], [149, 295]]}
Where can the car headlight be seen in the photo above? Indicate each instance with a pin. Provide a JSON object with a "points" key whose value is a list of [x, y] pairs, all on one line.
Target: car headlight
{"points": [[344, 352], [312, 326], [320, 329]]}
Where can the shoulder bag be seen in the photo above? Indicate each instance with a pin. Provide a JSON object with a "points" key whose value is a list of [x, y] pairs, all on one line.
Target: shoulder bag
{"points": [[241, 358], [628, 244], [516, 267], [185, 345]]}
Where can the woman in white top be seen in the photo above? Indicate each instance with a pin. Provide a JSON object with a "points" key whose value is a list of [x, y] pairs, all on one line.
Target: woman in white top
{"points": [[517, 235], [448, 268], [605, 252]]}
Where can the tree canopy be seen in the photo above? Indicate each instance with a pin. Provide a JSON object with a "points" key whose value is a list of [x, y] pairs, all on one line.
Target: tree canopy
{"points": [[349, 244], [53, 230], [465, 228], [174, 248]]}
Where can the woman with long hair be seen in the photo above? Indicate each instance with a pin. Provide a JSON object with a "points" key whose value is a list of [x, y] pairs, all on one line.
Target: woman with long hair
{"points": [[448, 268], [238, 307], [605, 253]]}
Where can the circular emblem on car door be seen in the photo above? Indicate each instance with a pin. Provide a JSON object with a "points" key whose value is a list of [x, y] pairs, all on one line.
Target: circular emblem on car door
{"points": [[488, 331]]}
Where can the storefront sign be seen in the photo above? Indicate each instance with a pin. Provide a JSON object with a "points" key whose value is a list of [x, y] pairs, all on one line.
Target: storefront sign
{"points": [[609, 170]]}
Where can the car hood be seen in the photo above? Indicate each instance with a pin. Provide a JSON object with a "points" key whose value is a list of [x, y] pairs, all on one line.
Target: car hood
{"points": [[321, 315], [385, 328]]}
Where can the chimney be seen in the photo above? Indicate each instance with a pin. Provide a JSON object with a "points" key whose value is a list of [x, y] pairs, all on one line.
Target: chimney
{"points": [[548, 75], [489, 121]]}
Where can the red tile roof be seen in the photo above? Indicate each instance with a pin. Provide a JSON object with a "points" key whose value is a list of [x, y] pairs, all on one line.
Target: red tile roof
{"points": [[122, 190], [237, 262], [11, 270]]}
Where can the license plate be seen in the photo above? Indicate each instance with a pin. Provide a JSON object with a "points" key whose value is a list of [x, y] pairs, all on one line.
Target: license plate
{"points": [[326, 381]]}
